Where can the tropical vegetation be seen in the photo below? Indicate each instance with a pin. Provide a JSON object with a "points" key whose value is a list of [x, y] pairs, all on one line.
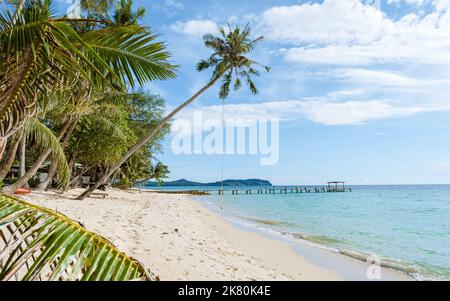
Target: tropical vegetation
{"points": [[72, 106], [67, 92], [230, 64]]}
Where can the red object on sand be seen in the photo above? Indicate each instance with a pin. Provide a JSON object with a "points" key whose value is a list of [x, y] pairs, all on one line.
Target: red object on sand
{"points": [[22, 191]]}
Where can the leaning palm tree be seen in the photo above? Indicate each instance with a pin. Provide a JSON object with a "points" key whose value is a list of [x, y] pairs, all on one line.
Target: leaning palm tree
{"points": [[230, 64], [49, 144], [41, 244]]}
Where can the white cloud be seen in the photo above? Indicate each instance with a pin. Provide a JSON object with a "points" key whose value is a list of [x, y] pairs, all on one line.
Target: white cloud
{"points": [[382, 78], [349, 32], [334, 21], [332, 55], [355, 112], [322, 110], [195, 27], [385, 68], [376, 77], [241, 113]]}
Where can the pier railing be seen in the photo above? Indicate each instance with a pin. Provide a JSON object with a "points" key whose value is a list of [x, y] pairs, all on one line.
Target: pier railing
{"points": [[277, 190]]}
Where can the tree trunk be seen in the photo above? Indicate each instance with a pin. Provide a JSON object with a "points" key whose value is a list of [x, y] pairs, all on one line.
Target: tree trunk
{"points": [[3, 142], [103, 179], [54, 166], [23, 159], [77, 178], [33, 170], [29, 174], [71, 164], [11, 155]]}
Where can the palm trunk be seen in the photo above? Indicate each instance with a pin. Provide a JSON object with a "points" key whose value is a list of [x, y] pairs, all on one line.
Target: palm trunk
{"points": [[6, 167], [3, 142], [54, 166], [29, 174], [23, 158], [76, 179], [33, 170], [51, 173], [71, 164], [103, 179]]}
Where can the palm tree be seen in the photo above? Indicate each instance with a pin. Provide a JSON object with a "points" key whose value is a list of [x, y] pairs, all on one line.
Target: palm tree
{"points": [[39, 53], [230, 64], [84, 104], [125, 16], [35, 130]]}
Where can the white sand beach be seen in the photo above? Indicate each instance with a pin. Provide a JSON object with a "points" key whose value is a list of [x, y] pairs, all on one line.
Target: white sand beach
{"points": [[178, 239]]}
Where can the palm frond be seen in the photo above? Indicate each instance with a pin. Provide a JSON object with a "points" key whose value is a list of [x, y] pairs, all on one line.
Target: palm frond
{"points": [[40, 244], [45, 139], [16, 101], [203, 65], [252, 85], [225, 88], [132, 53], [35, 56], [237, 84], [29, 27]]}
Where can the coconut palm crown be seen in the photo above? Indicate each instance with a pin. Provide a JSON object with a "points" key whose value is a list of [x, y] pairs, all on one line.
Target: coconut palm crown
{"points": [[230, 60]]}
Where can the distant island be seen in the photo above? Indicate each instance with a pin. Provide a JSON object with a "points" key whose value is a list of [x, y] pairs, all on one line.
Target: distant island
{"points": [[184, 182]]}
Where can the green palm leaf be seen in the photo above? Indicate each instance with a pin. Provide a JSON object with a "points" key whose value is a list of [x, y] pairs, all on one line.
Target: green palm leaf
{"points": [[39, 53], [46, 139], [132, 53], [40, 244]]}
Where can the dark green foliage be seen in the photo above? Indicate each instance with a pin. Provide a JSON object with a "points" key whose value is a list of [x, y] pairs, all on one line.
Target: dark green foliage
{"points": [[145, 111]]}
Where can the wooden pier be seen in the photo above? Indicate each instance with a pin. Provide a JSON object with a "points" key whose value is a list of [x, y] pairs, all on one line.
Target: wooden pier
{"points": [[332, 187]]}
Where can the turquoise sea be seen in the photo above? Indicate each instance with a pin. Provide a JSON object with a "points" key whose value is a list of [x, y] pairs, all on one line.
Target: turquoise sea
{"points": [[407, 226]]}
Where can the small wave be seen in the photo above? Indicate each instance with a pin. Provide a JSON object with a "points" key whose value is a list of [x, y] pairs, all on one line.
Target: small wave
{"points": [[330, 244], [386, 263], [324, 241], [316, 238], [327, 242], [269, 222]]}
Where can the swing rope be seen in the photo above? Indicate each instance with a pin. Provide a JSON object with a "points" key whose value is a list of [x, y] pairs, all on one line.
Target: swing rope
{"points": [[223, 157]]}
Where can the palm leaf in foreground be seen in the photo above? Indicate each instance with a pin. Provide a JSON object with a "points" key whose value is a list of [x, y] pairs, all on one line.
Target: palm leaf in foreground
{"points": [[40, 244]]}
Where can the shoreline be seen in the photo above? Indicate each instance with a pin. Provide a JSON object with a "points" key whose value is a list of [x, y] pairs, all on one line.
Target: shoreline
{"points": [[177, 238], [350, 266]]}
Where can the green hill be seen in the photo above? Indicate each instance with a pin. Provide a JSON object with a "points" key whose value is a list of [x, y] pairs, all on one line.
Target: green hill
{"points": [[184, 182]]}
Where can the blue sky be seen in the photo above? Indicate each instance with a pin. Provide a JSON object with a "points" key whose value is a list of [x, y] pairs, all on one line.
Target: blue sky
{"points": [[361, 88]]}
